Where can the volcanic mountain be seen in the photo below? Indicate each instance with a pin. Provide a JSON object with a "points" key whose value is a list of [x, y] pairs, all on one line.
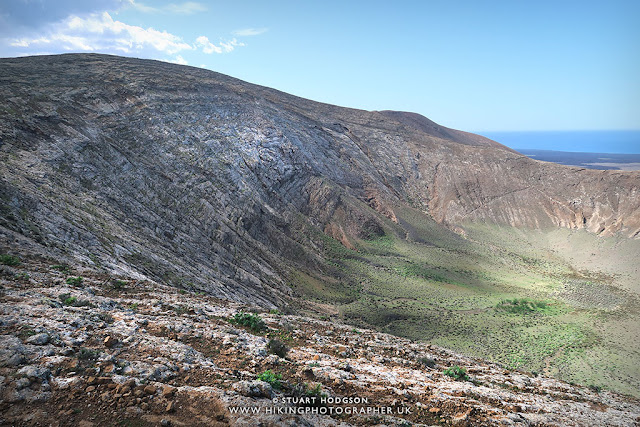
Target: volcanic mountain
{"points": [[197, 180], [185, 174]]}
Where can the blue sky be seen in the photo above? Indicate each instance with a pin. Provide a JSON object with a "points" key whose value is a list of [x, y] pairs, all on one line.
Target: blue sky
{"points": [[471, 65]]}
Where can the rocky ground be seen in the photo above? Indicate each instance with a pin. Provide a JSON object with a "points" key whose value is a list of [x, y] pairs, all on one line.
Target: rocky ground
{"points": [[104, 350]]}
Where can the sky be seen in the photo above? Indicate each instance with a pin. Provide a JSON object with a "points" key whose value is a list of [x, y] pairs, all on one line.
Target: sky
{"points": [[477, 65]]}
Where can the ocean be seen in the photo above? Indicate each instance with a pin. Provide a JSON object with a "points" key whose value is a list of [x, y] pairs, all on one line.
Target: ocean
{"points": [[618, 141]]}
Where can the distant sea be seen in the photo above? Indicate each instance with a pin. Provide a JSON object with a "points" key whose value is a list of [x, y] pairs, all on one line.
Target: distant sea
{"points": [[618, 141]]}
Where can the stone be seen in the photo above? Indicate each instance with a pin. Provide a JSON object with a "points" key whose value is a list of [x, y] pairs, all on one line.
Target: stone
{"points": [[168, 391], [38, 339], [150, 389], [109, 341], [170, 406], [34, 372], [15, 359], [253, 388], [22, 383], [90, 389]]}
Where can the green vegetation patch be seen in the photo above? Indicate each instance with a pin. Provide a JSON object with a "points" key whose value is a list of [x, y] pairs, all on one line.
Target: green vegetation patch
{"points": [[119, 285], [513, 296], [415, 270], [457, 373], [523, 306], [61, 267], [250, 320], [325, 289], [74, 281], [11, 260], [272, 378], [68, 300]]}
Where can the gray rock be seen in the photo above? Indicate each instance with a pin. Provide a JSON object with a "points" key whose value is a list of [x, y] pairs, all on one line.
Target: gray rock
{"points": [[22, 383], [34, 372], [38, 339], [253, 388], [11, 350], [15, 360]]}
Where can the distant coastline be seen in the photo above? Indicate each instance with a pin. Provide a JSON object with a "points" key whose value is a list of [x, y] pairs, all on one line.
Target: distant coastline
{"points": [[605, 141], [602, 161]]}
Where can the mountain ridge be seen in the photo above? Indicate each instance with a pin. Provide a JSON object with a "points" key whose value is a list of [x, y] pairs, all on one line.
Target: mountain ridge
{"points": [[113, 130]]}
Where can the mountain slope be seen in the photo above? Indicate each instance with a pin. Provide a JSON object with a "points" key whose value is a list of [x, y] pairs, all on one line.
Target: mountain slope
{"points": [[191, 176], [148, 170]]}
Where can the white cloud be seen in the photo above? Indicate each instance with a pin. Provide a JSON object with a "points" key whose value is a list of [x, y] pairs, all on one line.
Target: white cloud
{"points": [[250, 32], [222, 47], [178, 60], [186, 8], [207, 46], [143, 7], [95, 28], [100, 32], [20, 16]]}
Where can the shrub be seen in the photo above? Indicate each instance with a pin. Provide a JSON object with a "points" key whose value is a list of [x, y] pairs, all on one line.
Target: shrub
{"points": [[74, 281], [317, 397], [269, 377], [427, 361], [61, 267], [278, 348], [457, 373], [67, 299], [181, 309], [119, 284], [595, 388], [250, 320], [88, 354], [315, 393], [22, 277], [7, 259]]}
